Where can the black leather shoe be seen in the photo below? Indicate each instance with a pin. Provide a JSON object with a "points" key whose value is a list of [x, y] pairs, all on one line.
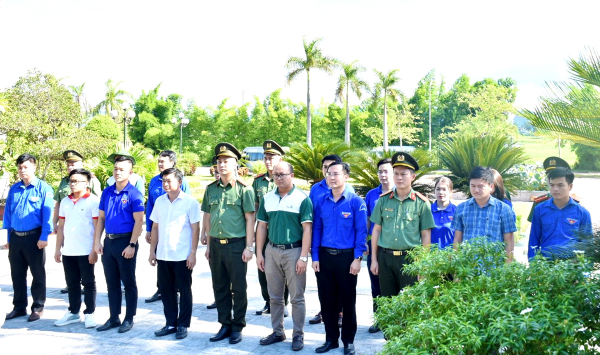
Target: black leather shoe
{"points": [[349, 349], [265, 310], [340, 319], [109, 325], [64, 290], [326, 347], [212, 305], [181, 332], [316, 320], [35, 315], [272, 339], [224, 332], [235, 337], [126, 326], [165, 331], [155, 297], [374, 328], [298, 343], [15, 314], [285, 312]]}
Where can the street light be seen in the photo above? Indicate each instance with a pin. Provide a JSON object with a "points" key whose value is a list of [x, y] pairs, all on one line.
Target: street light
{"points": [[127, 116], [183, 121]]}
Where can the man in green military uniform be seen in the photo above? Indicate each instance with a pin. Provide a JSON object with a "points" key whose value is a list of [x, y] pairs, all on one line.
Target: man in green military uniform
{"points": [[230, 206], [264, 183], [402, 220], [549, 164]]}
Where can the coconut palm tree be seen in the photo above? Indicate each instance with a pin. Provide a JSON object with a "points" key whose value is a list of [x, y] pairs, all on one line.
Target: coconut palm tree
{"points": [[314, 60], [80, 98], [386, 85], [572, 111], [113, 99], [349, 80]]}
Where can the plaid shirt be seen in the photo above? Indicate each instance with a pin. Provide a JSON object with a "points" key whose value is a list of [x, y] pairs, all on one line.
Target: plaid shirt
{"points": [[492, 220]]}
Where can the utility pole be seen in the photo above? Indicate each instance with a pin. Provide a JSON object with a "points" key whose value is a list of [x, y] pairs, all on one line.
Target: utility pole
{"points": [[430, 114]]}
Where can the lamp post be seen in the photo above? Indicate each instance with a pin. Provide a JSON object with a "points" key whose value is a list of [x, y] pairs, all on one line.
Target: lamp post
{"points": [[127, 116], [183, 121]]}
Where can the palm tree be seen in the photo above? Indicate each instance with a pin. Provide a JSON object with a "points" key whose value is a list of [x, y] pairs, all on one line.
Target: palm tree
{"points": [[113, 98], [572, 111], [314, 60], [80, 98], [386, 84], [349, 80]]}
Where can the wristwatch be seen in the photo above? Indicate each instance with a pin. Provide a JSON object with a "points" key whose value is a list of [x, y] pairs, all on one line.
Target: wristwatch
{"points": [[251, 248], [359, 258], [132, 245], [304, 258]]}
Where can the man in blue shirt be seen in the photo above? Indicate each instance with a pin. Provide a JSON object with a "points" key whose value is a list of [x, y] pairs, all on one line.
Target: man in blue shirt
{"points": [[28, 221], [483, 215], [167, 159], [338, 243], [122, 214], [385, 173], [558, 222]]}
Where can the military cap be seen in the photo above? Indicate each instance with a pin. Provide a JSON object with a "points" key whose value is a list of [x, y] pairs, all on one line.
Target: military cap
{"points": [[214, 161], [271, 147], [555, 162], [406, 160], [121, 153], [228, 150], [71, 155]]}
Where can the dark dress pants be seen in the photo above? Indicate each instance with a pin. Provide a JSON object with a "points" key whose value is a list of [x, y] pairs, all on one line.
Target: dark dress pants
{"points": [[337, 290], [117, 269], [375, 289], [392, 278], [79, 271], [173, 276], [24, 253]]}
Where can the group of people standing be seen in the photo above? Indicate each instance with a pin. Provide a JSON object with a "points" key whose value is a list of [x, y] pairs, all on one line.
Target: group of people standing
{"points": [[272, 219]]}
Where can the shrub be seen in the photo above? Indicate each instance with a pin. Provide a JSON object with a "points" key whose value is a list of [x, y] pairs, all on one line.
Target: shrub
{"points": [[549, 307], [588, 158], [532, 177], [257, 167], [188, 162]]}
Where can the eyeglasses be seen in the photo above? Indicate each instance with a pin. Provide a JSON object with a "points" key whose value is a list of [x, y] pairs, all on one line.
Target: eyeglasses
{"points": [[280, 176], [334, 174], [75, 182]]}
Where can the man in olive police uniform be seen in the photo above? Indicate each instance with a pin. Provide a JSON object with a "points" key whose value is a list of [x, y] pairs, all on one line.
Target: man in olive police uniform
{"points": [[264, 183], [230, 206], [403, 220]]}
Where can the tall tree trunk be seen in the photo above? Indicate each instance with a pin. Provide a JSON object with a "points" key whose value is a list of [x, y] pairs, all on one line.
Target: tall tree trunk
{"points": [[347, 135], [308, 118], [385, 132]]}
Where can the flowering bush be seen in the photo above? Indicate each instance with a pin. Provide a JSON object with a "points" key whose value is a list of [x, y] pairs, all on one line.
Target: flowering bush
{"points": [[533, 177], [550, 307]]}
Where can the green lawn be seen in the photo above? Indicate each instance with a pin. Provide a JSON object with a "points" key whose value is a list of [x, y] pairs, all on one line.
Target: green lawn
{"points": [[539, 148]]}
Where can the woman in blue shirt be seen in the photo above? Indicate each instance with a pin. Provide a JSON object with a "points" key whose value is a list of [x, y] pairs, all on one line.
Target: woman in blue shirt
{"points": [[443, 212]]}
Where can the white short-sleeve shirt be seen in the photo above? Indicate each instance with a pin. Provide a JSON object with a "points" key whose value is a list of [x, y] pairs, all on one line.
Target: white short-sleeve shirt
{"points": [[175, 225], [78, 228]]}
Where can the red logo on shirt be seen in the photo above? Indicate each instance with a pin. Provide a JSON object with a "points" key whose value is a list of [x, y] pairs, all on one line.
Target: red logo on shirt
{"points": [[571, 221], [124, 201], [451, 217], [346, 214]]}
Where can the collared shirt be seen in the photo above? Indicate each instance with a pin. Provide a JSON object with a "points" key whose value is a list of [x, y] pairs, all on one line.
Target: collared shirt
{"points": [[155, 190], [321, 188], [119, 208], [29, 207], [78, 227], [262, 185], [64, 189], [401, 220], [339, 225], [134, 179], [227, 205], [443, 234], [493, 220], [175, 221], [285, 215], [553, 230], [371, 200]]}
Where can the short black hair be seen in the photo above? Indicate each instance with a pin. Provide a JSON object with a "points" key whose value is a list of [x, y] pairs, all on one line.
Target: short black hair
{"points": [[345, 166], [26, 157], [177, 172], [384, 161], [169, 154], [482, 173], [84, 172], [561, 172], [124, 158], [336, 158]]}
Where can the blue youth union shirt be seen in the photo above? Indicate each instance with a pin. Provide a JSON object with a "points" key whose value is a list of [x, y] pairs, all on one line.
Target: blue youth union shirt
{"points": [[443, 233], [155, 190], [119, 207], [29, 207], [371, 201]]}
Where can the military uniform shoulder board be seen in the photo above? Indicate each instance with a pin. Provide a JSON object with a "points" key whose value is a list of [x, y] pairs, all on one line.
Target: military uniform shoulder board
{"points": [[541, 199], [576, 198], [259, 175], [214, 182], [242, 183], [387, 193], [421, 196]]}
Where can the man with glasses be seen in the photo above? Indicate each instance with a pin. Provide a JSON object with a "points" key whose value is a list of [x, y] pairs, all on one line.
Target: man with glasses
{"points": [[287, 211], [264, 183]]}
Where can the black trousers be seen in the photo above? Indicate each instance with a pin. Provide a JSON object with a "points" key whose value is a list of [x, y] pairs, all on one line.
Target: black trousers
{"points": [[117, 269], [262, 280], [392, 278], [173, 276], [337, 290], [79, 271], [229, 277], [375, 289], [23, 254]]}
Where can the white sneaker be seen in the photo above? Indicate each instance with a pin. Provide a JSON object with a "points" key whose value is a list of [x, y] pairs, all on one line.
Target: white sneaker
{"points": [[68, 318], [90, 322]]}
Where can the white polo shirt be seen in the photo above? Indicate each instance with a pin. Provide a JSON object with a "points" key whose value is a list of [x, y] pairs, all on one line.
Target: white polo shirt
{"points": [[78, 228], [175, 225]]}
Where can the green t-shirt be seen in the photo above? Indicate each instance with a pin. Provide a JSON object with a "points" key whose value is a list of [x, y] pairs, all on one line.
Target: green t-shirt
{"points": [[285, 215], [227, 205], [401, 221], [64, 189]]}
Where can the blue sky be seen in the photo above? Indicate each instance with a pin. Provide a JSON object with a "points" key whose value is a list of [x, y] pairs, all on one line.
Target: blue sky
{"points": [[211, 50]]}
